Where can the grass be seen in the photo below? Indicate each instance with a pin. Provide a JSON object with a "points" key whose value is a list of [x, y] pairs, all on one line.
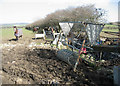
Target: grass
{"points": [[114, 28], [110, 30], [111, 25], [9, 33]]}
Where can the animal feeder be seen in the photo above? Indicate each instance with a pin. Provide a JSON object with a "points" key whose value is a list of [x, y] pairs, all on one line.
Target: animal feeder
{"points": [[91, 37], [92, 30]]}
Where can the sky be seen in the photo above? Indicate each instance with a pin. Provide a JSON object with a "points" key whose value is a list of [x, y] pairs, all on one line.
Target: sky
{"points": [[28, 11]]}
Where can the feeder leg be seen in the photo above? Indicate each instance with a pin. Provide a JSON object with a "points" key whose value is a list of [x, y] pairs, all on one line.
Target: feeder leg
{"points": [[100, 55], [75, 66]]}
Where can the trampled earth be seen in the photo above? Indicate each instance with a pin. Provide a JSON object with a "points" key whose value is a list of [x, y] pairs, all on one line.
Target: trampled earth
{"points": [[27, 61]]}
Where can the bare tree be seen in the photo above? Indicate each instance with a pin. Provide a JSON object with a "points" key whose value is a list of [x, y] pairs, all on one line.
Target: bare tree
{"points": [[83, 13]]}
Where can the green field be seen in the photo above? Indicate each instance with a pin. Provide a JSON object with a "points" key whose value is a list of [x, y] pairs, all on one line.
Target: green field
{"points": [[114, 28], [111, 25], [110, 30], [9, 33]]}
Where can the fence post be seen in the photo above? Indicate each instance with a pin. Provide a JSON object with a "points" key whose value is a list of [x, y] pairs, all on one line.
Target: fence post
{"points": [[119, 19], [116, 74]]}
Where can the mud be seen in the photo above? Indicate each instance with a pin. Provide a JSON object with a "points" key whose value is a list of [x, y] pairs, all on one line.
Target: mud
{"points": [[25, 64]]}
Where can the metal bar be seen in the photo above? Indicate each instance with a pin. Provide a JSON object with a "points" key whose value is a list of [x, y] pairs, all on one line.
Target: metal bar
{"points": [[77, 48], [104, 48], [82, 23]]}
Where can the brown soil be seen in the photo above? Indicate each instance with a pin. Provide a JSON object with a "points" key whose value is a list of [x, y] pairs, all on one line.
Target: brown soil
{"points": [[37, 65]]}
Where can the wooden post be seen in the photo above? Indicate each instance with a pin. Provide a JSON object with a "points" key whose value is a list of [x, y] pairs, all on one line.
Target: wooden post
{"points": [[119, 33], [79, 55], [116, 74], [85, 25], [119, 20]]}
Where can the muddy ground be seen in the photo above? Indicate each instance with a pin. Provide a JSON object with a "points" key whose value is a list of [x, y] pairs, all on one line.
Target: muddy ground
{"points": [[25, 63]]}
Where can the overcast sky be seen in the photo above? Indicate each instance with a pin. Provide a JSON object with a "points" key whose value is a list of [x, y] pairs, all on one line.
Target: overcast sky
{"points": [[15, 11]]}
